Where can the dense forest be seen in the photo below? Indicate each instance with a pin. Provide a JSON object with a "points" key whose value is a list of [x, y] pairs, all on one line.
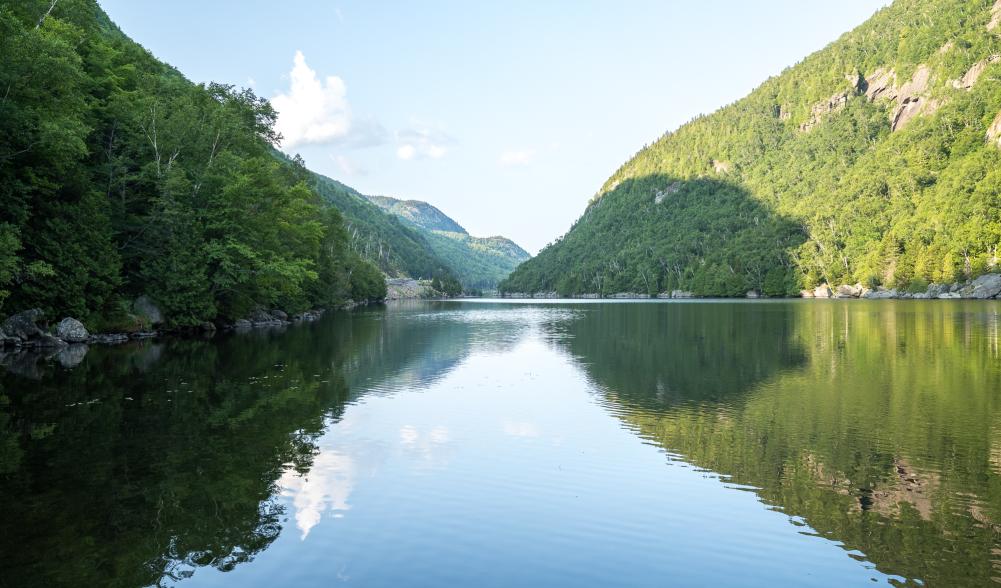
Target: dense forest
{"points": [[477, 262], [119, 177], [873, 161]]}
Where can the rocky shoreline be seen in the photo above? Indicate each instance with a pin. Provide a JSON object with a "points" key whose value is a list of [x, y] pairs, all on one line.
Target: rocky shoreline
{"points": [[985, 287], [28, 330]]}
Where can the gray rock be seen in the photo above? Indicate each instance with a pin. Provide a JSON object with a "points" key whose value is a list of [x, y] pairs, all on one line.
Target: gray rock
{"points": [[242, 324], [806, 293], [986, 286], [71, 356], [280, 315], [936, 290], [949, 295], [845, 291], [753, 294], [682, 294], [262, 318], [146, 309], [881, 294], [72, 331], [23, 324], [822, 291]]}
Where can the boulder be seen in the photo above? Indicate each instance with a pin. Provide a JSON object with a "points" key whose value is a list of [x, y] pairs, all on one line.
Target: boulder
{"points": [[936, 290], [986, 286], [822, 291], [845, 291], [682, 294], [72, 331], [147, 310], [752, 294], [280, 315], [948, 295], [881, 294], [23, 325], [806, 293], [242, 324], [261, 318]]}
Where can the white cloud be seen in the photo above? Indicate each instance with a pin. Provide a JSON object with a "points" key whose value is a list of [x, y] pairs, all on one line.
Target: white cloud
{"points": [[313, 110], [406, 152], [516, 157], [422, 143]]}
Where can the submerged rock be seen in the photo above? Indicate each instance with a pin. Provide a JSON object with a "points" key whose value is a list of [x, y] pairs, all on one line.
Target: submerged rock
{"points": [[71, 331]]}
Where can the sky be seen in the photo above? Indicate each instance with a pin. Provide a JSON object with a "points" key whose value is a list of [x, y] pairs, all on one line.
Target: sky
{"points": [[508, 116]]}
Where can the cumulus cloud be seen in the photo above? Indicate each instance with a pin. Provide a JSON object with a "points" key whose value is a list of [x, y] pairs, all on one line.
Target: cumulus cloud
{"points": [[516, 157], [313, 110], [421, 143]]}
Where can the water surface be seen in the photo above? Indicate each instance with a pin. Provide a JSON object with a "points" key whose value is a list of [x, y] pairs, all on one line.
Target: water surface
{"points": [[787, 443]]}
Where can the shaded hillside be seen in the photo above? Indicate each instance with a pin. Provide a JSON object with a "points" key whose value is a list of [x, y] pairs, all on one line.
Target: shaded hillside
{"points": [[478, 262], [883, 148]]}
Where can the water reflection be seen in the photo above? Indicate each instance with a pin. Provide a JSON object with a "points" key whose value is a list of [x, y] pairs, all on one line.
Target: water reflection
{"points": [[440, 440]]}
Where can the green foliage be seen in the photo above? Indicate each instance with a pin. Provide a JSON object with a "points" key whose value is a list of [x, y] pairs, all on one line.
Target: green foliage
{"points": [[118, 177], [848, 200]]}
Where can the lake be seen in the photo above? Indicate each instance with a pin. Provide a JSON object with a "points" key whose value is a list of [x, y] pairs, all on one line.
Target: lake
{"points": [[500, 443]]}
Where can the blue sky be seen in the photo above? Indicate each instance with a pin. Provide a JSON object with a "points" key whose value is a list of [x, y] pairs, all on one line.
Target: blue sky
{"points": [[507, 115]]}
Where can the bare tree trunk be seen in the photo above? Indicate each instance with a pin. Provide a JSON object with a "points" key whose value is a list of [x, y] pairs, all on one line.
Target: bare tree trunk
{"points": [[47, 13]]}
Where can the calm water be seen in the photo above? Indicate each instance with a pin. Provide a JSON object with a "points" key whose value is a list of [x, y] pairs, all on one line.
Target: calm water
{"points": [[495, 444]]}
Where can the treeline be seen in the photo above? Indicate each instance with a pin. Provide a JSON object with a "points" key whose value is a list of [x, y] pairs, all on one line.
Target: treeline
{"points": [[118, 177], [816, 176]]}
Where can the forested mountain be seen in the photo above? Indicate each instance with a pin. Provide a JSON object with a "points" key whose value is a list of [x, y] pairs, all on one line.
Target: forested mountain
{"points": [[875, 160], [478, 262], [397, 248]]}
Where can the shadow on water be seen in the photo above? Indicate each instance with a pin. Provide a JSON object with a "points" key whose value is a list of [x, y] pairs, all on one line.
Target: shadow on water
{"points": [[876, 424], [134, 465]]}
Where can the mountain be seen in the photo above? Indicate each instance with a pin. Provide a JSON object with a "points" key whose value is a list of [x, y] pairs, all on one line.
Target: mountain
{"points": [[119, 178], [396, 247], [478, 262], [875, 160], [419, 213]]}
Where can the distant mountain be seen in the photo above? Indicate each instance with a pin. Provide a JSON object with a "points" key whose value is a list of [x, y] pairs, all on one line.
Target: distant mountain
{"points": [[875, 160], [477, 262], [397, 248], [419, 213]]}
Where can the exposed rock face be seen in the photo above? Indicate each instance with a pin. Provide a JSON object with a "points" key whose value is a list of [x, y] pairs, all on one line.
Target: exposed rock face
{"points": [[404, 288], [994, 132], [72, 331], [146, 309], [22, 325], [660, 195], [882, 83], [986, 286], [682, 294], [995, 16], [912, 99], [722, 167], [822, 109], [970, 78]]}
